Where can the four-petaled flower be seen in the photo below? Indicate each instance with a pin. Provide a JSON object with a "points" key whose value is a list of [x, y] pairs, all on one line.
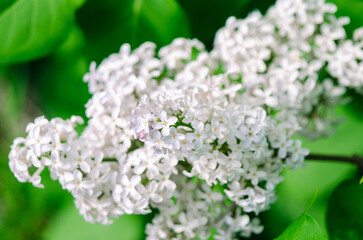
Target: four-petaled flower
{"points": [[165, 123]]}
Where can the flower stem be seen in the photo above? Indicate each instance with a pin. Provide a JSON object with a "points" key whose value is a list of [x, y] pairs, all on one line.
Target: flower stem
{"points": [[109, 160], [355, 159]]}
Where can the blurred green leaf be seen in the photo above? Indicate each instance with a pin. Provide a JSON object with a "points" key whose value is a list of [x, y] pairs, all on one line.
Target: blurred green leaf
{"points": [[345, 211], [73, 44], [159, 21], [13, 88], [130, 21], [77, 3], [61, 91], [32, 28], [304, 227], [4, 4]]}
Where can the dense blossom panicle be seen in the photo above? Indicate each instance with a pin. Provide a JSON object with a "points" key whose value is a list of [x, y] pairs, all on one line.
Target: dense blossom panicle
{"points": [[201, 136]]}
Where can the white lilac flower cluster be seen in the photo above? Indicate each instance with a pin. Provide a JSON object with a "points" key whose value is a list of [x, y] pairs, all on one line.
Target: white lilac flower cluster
{"points": [[202, 137], [219, 141], [288, 49], [346, 64]]}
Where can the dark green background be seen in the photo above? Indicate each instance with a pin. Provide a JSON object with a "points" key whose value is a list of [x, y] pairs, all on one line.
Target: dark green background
{"points": [[46, 47]]}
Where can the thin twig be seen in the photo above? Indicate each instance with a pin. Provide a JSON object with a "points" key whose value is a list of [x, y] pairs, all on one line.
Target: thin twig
{"points": [[355, 159]]}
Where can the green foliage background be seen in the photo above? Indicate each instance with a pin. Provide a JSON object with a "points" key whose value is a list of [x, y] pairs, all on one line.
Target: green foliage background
{"points": [[46, 47]]}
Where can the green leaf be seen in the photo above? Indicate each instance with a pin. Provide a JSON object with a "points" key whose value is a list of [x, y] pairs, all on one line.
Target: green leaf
{"points": [[130, 21], [160, 21], [66, 94], [345, 211], [312, 200], [4, 4], [77, 3], [304, 227], [13, 88], [32, 28]]}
